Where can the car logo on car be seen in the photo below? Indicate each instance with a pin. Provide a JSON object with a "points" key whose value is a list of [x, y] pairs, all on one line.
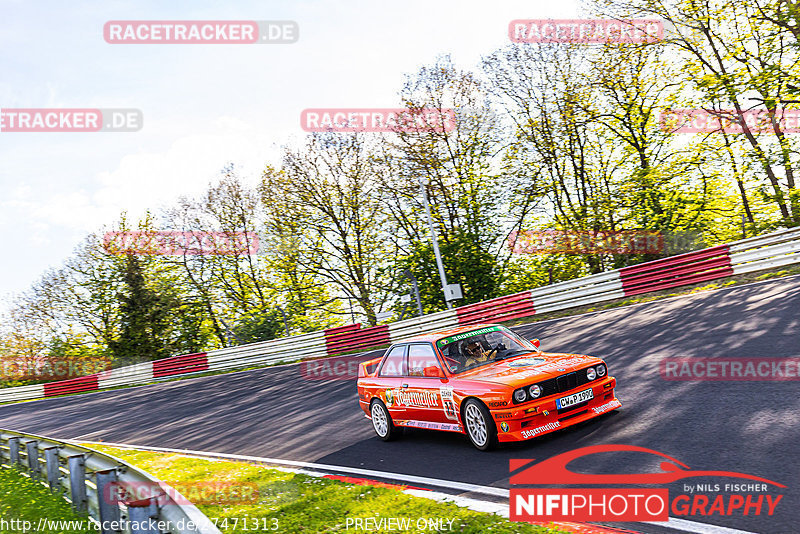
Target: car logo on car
{"points": [[389, 397], [504, 426]]}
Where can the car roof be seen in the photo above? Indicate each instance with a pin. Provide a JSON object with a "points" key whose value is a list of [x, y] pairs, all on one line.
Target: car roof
{"points": [[432, 337]]}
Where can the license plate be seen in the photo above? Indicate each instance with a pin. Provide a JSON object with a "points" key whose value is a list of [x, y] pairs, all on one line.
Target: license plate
{"points": [[575, 398]]}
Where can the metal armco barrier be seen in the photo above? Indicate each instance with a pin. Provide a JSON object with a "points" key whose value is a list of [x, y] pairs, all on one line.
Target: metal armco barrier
{"points": [[768, 251], [681, 270], [82, 476], [498, 309], [179, 365], [765, 252], [353, 337], [73, 385]]}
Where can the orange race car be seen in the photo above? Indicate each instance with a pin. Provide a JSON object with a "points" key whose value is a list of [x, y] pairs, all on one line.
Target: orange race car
{"points": [[483, 381]]}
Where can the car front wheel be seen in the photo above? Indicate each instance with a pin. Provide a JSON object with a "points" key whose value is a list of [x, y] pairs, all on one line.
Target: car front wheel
{"points": [[479, 425], [382, 421]]}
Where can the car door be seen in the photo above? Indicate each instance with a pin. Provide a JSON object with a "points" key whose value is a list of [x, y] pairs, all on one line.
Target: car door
{"points": [[428, 398], [390, 378]]}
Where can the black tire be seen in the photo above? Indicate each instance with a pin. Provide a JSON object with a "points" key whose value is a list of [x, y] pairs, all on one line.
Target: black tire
{"points": [[479, 425], [379, 414]]}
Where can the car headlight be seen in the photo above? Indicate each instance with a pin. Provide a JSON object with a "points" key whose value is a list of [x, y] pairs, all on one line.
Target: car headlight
{"points": [[520, 395], [590, 373], [601, 370], [535, 391]]}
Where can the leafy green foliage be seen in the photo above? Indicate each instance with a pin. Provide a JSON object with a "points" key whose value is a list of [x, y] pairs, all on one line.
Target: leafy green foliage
{"points": [[146, 314], [465, 263], [562, 137], [260, 327], [22, 499]]}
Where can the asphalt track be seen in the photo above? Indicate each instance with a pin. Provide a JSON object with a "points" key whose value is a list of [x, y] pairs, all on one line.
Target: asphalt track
{"points": [[747, 427]]}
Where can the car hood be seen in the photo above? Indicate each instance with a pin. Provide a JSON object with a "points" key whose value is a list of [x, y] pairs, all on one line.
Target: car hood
{"points": [[527, 368]]}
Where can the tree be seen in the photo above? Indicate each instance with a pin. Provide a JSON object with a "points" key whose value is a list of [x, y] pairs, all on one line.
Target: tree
{"points": [[460, 170], [144, 318], [562, 159], [736, 63], [329, 190]]}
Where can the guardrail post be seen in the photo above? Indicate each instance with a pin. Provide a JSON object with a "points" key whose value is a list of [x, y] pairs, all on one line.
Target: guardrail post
{"points": [[13, 451], [143, 516], [52, 463], [107, 502], [32, 450], [77, 482]]}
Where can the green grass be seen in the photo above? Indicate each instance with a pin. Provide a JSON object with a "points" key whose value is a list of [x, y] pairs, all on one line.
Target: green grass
{"points": [[300, 503], [24, 500]]}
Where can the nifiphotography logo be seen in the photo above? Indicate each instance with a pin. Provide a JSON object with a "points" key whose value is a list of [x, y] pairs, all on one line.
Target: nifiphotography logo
{"points": [[728, 498]]}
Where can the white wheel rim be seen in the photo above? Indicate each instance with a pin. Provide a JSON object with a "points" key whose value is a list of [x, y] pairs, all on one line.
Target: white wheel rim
{"points": [[476, 425], [379, 420]]}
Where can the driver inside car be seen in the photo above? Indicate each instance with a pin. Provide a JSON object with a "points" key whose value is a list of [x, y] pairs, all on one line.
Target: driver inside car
{"points": [[476, 354]]}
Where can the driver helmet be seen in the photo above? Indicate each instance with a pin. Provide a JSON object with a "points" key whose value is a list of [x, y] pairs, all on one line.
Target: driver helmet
{"points": [[473, 348]]}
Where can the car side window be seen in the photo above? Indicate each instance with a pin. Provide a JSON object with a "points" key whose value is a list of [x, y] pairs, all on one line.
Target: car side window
{"points": [[395, 362], [419, 357]]}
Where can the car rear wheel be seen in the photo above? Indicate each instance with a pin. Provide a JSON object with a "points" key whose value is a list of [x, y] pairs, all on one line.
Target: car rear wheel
{"points": [[479, 425], [382, 421]]}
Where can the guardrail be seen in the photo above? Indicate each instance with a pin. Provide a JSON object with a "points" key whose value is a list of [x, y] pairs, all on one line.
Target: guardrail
{"points": [[497, 310], [353, 337], [87, 479], [747, 255], [675, 271], [180, 365]]}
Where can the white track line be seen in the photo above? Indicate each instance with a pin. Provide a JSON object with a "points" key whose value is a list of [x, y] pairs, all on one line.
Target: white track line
{"points": [[698, 528], [678, 524], [439, 483]]}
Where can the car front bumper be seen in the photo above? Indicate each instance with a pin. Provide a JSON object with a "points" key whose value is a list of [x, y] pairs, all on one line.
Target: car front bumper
{"points": [[536, 418]]}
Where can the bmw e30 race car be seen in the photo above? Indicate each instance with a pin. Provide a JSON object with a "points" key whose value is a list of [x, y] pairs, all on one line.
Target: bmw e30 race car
{"points": [[484, 381]]}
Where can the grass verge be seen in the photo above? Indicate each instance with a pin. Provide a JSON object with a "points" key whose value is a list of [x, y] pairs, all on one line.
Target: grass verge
{"points": [[27, 506], [293, 502]]}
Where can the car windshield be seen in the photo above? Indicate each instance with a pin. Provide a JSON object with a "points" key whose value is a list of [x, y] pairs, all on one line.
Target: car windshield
{"points": [[482, 346]]}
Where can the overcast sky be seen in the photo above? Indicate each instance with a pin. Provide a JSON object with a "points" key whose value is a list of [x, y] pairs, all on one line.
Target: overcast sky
{"points": [[203, 105]]}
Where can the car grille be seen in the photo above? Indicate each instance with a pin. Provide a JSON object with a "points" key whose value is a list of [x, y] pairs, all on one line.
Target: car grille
{"points": [[563, 383]]}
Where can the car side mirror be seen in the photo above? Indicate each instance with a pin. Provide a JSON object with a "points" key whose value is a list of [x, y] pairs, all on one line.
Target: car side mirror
{"points": [[535, 343], [433, 371]]}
